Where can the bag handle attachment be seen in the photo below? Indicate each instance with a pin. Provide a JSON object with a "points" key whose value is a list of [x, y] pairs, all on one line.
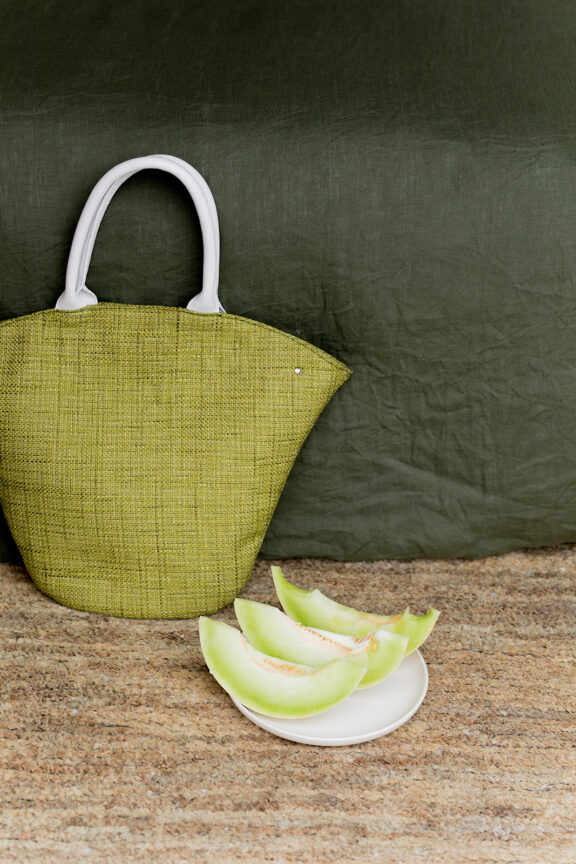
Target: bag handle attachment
{"points": [[76, 295]]}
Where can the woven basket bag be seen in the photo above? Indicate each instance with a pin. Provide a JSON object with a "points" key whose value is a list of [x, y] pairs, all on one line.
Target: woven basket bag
{"points": [[143, 449]]}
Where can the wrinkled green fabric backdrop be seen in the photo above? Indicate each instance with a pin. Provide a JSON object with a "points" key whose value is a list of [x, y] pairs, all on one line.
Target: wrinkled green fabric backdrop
{"points": [[396, 183]]}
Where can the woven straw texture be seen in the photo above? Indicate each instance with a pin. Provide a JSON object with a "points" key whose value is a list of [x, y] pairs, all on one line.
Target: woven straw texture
{"points": [[144, 448]]}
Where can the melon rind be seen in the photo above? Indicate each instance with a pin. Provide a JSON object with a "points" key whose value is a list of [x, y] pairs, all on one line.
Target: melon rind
{"points": [[273, 632], [271, 685], [314, 609]]}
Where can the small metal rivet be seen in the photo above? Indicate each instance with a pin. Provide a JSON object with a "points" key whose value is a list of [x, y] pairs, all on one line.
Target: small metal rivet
{"points": [[297, 370]]}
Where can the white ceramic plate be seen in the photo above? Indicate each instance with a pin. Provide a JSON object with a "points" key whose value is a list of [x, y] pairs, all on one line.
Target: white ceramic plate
{"points": [[364, 715]]}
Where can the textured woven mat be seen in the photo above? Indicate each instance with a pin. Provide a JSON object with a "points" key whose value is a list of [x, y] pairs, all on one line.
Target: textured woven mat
{"points": [[117, 746]]}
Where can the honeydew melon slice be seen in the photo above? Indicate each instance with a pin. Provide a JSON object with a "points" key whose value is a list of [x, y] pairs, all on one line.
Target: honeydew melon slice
{"points": [[271, 631], [273, 686], [314, 609]]}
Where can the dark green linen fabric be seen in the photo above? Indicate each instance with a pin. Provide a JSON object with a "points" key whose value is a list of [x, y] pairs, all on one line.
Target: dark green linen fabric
{"points": [[396, 184]]}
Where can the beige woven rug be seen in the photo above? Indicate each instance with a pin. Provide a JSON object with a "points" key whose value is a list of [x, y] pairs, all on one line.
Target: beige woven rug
{"points": [[117, 746]]}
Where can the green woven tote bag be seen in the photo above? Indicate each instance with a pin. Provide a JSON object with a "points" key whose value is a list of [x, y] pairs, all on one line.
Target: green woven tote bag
{"points": [[143, 449]]}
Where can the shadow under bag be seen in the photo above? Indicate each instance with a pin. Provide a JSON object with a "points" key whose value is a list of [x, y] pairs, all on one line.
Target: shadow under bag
{"points": [[143, 449]]}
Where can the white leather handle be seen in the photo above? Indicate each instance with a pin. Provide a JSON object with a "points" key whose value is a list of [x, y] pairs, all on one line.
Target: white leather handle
{"points": [[76, 294]]}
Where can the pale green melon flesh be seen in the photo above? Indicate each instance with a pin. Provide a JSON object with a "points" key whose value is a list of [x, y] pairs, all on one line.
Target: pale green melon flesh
{"points": [[314, 609], [271, 631], [416, 627], [385, 656], [384, 653], [273, 686]]}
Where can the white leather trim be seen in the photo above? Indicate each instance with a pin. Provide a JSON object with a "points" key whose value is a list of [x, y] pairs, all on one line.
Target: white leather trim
{"points": [[76, 295]]}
